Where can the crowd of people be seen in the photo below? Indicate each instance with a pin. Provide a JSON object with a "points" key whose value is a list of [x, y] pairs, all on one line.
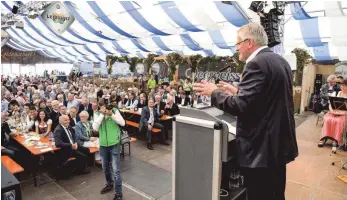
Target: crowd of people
{"points": [[80, 113]]}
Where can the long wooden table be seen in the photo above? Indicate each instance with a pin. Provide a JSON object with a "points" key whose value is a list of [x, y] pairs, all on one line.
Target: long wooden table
{"points": [[163, 118], [36, 152]]}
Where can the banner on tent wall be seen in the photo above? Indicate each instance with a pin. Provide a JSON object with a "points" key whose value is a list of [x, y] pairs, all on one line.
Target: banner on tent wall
{"points": [[58, 17], [160, 69], [12, 56], [141, 68], [210, 71]]}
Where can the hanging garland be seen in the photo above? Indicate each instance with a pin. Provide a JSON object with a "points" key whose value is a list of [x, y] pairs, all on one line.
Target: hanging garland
{"points": [[132, 62], [302, 58], [174, 59], [149, 61]]}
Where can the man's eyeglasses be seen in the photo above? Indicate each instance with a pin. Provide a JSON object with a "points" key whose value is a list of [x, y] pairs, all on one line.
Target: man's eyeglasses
{"points": [[241, 42]]}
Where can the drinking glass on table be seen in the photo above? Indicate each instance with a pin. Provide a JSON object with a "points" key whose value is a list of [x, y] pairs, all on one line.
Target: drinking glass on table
{"points": [[234, 181], [53, 143]]}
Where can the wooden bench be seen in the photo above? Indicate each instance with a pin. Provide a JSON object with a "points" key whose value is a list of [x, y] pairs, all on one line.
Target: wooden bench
{"points": [[96, 149], [11, 165], [136, 125]]}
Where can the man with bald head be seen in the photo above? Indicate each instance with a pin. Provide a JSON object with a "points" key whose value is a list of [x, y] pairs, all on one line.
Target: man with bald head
{"points": [[66, 140]]}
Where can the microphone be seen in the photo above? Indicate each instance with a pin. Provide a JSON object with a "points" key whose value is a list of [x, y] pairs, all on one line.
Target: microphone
{"points": [[223, 69]]}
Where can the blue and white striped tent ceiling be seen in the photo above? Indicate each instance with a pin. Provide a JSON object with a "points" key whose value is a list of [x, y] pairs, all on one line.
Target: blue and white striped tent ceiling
{"points": [[137, 28]]}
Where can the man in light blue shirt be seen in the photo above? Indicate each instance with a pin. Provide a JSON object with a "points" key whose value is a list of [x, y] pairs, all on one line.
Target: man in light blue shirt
{"points": [[71, 102]]}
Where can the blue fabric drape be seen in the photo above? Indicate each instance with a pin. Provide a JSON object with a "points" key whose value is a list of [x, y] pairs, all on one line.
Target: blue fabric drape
{"points": [[310, 32], [176, 15], [138, 45], [104, 49], [159, 42], [36, 40], [57, 35], [218, 39], [104, 18], [138, 54], [39, 32], [72, 32], [189, 42], [136, 15], [232, 13], [89, 50], [118, 48], [74, 48], [85, 24], [15, 32], [208, 52]]}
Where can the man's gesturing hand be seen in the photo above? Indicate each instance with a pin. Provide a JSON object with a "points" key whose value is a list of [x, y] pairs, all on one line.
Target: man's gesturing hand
{"points": [[228, 88], [204, 88]]}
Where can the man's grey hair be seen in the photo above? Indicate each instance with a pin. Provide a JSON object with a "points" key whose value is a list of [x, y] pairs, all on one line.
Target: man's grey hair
{"points": [[74, 107], [61, 118], [253, 31], [84, 113], [331, 77]]}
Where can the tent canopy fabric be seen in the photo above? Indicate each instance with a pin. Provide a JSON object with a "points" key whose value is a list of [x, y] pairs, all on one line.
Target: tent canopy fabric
{"points": [[138, 28]]}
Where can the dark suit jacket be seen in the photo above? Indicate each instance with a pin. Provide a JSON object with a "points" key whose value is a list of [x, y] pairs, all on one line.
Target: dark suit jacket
{"points": [[62, 141], [89, 110], [174, 110], [161, 107], [54, 116], [145, 114], [72, 122], [139, 105], [265, 112]]}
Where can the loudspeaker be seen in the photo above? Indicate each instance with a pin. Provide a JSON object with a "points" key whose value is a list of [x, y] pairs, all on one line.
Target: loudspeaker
{"points": [[15, 9], [318, 82], [271, 26]]}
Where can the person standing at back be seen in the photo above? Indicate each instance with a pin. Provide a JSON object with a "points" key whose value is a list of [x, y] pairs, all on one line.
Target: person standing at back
{"points": [[263, 104], [107, 124]]}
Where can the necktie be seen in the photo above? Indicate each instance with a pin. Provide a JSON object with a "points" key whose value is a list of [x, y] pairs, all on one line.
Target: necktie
{"points": [[70, 136]]}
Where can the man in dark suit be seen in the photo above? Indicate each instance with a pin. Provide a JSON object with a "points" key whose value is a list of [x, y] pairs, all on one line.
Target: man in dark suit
{"points": [[85, 105], [54, 114], [159, 106], [263, 104], [143, 101], [74, 118], [65, 139], [149, 120]]}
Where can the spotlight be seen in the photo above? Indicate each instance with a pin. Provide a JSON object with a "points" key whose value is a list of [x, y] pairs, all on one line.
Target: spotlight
{"points": [[257, 6], [15, 9], [19, 25], [227, 2]]}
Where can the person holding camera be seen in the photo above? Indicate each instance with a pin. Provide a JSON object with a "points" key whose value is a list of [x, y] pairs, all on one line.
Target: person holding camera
{"points": [[107, 124]]}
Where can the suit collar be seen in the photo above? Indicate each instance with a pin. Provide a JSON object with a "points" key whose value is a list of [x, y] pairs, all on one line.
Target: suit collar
{"points": [[255, 53]]}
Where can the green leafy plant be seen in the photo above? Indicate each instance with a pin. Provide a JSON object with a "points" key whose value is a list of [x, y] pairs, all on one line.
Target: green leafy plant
{"points": [[172, 60], [132, 62], [149, 61], [302, 58]]}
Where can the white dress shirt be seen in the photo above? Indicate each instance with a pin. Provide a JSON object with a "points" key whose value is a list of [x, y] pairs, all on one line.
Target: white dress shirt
{"points": [[151, 116], [68, 134], [255, 53]]}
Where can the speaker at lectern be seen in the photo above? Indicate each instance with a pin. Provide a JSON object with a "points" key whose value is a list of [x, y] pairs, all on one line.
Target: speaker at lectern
{"points": [[203, 139]]}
